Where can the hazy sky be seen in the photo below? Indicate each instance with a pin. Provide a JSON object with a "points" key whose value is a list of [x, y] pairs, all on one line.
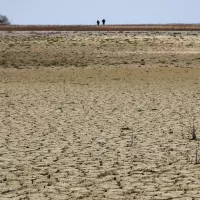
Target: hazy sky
{"points": [[88, 11]]}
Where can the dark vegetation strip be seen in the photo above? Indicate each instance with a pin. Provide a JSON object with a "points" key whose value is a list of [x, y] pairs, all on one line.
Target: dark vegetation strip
{"points": [[125, 27]]}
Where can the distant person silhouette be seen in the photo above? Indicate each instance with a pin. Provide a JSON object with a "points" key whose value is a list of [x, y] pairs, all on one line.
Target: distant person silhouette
{"points": [[98, 22], [103, 21]]}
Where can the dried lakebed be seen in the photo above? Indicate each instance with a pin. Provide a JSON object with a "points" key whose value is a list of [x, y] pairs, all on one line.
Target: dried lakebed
{"points": [[100, 132]]}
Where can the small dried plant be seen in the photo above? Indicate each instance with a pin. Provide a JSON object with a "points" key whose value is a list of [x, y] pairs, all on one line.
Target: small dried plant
{"points": [[196, 155], [193, 129]]}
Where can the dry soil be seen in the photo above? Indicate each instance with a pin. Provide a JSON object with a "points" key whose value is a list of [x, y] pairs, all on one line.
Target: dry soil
{"points": [[88, 115]]}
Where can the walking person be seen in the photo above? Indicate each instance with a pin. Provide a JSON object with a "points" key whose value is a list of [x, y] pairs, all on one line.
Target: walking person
{"points": [[98, 22], [103, 21]]}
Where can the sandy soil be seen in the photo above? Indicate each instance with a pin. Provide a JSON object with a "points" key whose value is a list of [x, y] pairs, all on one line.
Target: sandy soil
{"points": [[99, 116], [99, 49]]}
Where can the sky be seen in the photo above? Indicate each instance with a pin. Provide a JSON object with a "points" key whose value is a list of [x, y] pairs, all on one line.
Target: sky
{"points": [[82, 12]]}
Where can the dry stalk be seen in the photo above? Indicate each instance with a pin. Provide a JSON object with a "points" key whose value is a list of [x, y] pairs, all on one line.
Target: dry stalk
{"points": [[193, 130], [196, 155]]}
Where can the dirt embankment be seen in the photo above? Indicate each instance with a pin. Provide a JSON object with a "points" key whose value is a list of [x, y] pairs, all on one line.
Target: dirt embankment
{"points": [[124, 27]]}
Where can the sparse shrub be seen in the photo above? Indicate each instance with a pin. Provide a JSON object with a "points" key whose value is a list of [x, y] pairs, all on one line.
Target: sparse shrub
{"points": [[4, 20]]}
